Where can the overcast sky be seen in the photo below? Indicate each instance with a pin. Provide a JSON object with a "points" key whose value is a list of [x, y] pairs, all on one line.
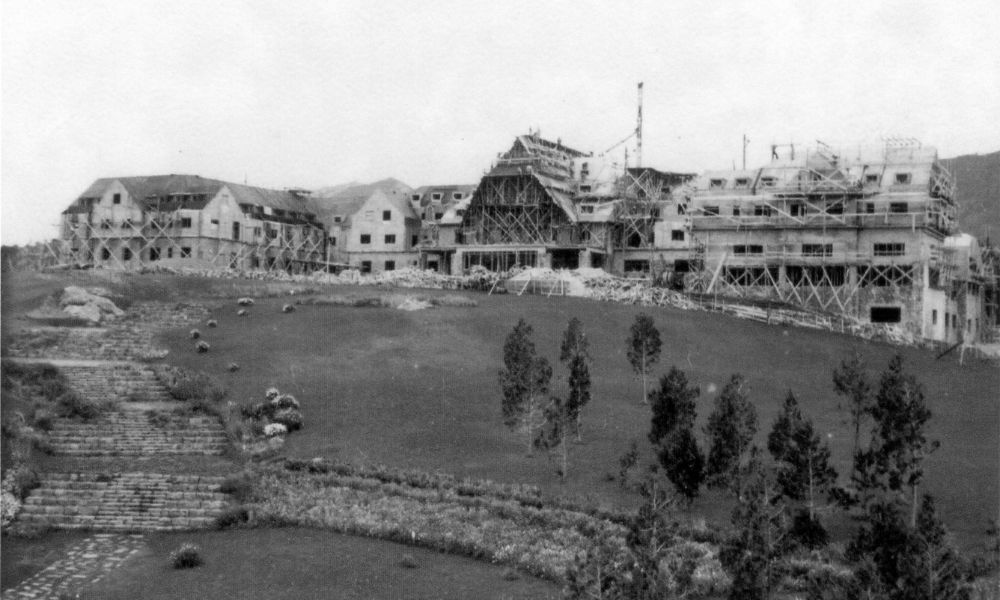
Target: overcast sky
{"points": [[307, 94]]}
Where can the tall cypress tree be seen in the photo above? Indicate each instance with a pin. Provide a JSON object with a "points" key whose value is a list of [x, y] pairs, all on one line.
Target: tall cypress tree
{"points": [[673, 405], [803, 467], [899, 444], [575, 354], [524, 379], [643, 348], [731, 428]]}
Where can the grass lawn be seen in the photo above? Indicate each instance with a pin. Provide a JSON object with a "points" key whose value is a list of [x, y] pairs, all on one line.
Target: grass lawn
{"points": [[419, 389], [307, 563]]}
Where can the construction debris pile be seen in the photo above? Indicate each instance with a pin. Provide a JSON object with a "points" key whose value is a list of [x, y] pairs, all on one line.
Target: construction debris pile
{"points": [[77, 305]]}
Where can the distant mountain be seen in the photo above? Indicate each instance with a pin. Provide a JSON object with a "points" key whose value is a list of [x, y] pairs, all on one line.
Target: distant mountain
{"points": [[977, 177], [354, 189]]}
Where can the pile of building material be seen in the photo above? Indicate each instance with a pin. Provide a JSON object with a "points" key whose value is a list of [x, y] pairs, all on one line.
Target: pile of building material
{"points": [[547, 282], [404, 278], [635, 291], [78, 306]]}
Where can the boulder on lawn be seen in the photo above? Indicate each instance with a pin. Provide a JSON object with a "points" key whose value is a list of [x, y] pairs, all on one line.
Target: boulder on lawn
{"points": [[88, 312]]}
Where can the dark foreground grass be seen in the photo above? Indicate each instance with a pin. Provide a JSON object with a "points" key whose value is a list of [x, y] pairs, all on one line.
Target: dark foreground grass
{"points": [[20, 558], [419, 389], [301, 564]]}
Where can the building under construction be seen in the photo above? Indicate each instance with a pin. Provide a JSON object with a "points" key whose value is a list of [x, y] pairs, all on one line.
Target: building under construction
{"points": [[125, 222], [870, 235], [548, 205]]}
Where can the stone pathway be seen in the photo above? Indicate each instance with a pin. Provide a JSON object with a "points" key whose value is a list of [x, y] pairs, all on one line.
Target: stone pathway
{"points": [[85, 562], [105, 364]]}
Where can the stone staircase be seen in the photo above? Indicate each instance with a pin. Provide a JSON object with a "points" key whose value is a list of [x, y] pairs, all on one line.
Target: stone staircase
{"points": [[116, 381], [133, 430], [125, 501]]}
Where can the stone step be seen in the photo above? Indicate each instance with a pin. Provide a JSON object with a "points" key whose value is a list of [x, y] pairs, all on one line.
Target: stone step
{"points": [[135, 501]]}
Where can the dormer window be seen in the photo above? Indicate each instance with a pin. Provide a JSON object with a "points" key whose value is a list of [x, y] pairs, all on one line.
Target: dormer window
{"points": [[116, 199], [415, 197], [456, 195], [338, 219], [768, 181], [902, 178], [741, 183], [584, 189], [871, 178], [587, 208], [716, 184], [437, 196]]}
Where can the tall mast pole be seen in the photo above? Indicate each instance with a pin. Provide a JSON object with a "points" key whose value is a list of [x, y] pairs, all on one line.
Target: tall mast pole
{"points": [[638, 131]]}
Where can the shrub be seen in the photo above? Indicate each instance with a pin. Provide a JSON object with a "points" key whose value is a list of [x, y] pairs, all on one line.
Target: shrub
{"points": [[42, 419], [189, 385], [202, 347], [242, 312], [289, 417], [240, 487], [232, 517], [273, 429], [9, 507], [72, 404], [258, 411], [233, 367], [271, 393], [510, 574], [186, 557], [287, 308], [213, 323], [285, 401], [195, 334], [408, 561], [245, 301]]}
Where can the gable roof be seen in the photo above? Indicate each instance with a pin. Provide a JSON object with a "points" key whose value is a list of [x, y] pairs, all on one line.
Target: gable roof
{"points": [[170, 192], [397, 201], [347, 207]]}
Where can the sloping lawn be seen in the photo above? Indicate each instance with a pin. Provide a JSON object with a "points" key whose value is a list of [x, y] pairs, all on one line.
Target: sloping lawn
{"points": [[419, 389], [302, 564]]}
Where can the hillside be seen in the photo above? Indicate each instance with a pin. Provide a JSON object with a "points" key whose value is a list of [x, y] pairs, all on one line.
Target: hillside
{"points": [[978, 180], [353, 189]]}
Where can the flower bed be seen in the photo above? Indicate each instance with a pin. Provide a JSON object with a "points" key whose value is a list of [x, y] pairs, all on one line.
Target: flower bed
{"points": [[541, 541]]}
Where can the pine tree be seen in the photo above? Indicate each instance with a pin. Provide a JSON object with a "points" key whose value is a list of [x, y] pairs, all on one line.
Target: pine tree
{"points": [[683, 462], [643, 348], [803, 466], [731, 428], [932, 568], [899, 444], [760, 538], [554, 432], [898, 562], [523, 380], [575, 354], [851, 382], [673, 405]]}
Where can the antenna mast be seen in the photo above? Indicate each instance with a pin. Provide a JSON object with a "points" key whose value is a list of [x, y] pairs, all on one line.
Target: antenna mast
{"points": [[638, 131]]}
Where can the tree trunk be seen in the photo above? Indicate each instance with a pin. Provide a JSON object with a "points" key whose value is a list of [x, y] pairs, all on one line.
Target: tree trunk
{"points": [[913, 507], [563, 443], [812, 502], [645, 397], [530, 421], [579, 427]]}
